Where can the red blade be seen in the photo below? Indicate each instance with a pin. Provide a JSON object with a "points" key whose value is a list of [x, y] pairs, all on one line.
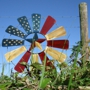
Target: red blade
{"points": [[47, 25], [63, 44], [41, 55], [20, 68]]}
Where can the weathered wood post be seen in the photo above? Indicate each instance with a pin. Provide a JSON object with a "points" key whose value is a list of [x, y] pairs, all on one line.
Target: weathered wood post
{"points": [[84, 27]]}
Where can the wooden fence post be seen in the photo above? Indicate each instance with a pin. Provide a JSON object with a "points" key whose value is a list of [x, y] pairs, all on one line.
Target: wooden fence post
{"points": [[84, 28]]}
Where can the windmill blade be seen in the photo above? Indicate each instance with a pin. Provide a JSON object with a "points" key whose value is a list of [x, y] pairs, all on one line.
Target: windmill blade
{"points": [[25, 24], [38, 45], [14, 53], [42, 55], [34, 58], [36, 22], [14, 31], [55, 54], [12, 42], [63, 44], [19, 67], [56, 33], [47, 25]]}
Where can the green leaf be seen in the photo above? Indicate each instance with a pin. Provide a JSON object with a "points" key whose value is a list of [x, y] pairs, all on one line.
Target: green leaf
{"points": [[45, 82], [37, 65], [4, 86], [23, 63], [26, 88], [43, 72]]}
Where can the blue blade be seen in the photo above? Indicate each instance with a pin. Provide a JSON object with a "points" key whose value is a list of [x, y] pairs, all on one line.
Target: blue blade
{"points": [[25, 24], [36, 22], [14, 31], [12, 42]]}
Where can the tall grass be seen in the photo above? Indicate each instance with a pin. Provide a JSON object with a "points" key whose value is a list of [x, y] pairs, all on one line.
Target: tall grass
{"points": [[73, 69], [71, 76]]}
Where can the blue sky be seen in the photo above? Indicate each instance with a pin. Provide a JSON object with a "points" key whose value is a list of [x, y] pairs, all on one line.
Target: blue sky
{"points": [[66, 13]]}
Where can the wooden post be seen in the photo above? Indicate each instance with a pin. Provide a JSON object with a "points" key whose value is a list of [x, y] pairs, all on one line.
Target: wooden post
{"points": [[84, 27]]}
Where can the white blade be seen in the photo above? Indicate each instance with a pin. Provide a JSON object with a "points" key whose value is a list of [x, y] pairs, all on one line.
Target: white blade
{"points": [[14, 53], [34, 58], [55, 54], [38, 45], [56, 33]]}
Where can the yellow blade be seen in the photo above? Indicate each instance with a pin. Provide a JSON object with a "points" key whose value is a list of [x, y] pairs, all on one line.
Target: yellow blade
{"points": [[56, 33], [14, 53], [35, 58], [55, 54], [38, 45]]}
